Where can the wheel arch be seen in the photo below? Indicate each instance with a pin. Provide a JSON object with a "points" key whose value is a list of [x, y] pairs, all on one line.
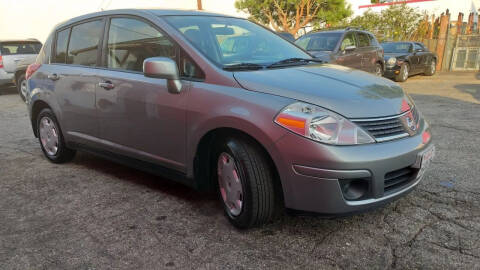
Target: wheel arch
{"points": [[202, 159]]}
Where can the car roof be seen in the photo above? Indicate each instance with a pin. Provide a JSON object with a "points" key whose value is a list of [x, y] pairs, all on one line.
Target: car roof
{"points": [[19, 40], [153, 11], [340, 31]]}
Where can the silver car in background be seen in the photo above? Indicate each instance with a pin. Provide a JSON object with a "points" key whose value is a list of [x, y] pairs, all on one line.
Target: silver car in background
{"points": [[15, 56]]}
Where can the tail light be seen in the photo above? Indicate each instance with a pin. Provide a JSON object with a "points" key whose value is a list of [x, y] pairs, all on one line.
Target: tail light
{"points": [[1, 62], [31, 69]]}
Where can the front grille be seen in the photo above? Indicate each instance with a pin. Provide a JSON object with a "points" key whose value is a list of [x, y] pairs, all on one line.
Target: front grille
{"points": [[383, 129], [390, 128], [399, 178]]}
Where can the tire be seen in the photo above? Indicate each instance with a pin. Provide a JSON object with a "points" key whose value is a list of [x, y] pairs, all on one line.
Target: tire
{"points": [[430, 71], [258, 202], [51, 138], [404, 72], [378, 70], [22, 87]]}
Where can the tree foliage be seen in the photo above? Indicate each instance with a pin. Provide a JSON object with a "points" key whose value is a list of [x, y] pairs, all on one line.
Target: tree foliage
{"points": [[398, 22], [292, 15]]}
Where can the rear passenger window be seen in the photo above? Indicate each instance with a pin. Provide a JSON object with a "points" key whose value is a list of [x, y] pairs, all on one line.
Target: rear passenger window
{"points": [[131, 41], [61, 46], [363, 40], [84, 41]]}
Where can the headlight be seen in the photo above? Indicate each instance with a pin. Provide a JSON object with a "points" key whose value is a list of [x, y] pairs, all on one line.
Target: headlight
{"points": [[321, 125], [392, 61]]}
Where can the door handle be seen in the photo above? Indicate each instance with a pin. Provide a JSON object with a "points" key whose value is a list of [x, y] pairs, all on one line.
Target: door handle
{"points": [[107, 85], [53, 77]]}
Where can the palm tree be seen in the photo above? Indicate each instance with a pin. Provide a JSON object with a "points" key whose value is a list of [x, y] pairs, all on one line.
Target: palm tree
{"points": [[199, 4]]}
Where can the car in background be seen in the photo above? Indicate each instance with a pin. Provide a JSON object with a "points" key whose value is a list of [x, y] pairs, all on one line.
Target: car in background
{"points": [[263, 123], [15, 56], [403, 59], [348, 47], [287, 36]]}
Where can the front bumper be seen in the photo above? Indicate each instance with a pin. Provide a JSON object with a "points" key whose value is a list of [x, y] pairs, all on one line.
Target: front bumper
{"points": [[391, 72], [312, 173]]}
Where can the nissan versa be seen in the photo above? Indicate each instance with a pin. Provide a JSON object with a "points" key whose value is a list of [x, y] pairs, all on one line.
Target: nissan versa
{"points": [[263, 123]]}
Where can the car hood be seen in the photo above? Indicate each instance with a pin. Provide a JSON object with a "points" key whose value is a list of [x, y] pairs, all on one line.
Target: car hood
{"points": [[352, 93], [322, 55], [396, 55]]}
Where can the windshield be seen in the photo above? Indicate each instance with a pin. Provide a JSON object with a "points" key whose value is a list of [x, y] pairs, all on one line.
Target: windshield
{"points": [[319, 41], [21, 47], [231, 41], [396, 47]]}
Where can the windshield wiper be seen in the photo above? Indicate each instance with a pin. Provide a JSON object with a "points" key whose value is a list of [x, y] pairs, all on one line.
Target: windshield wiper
{"points": [[243, 66], [292, 61]]}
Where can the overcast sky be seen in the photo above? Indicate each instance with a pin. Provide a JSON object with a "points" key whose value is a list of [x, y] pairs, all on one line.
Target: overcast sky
{"points": [[36, 18]]}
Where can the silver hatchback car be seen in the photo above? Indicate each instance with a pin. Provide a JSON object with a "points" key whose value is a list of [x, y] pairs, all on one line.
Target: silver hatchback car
{"points": [[257, 119]]}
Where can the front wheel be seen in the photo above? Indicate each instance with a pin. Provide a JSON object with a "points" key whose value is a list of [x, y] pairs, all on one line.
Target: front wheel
{"points": [[432, 68], [378, 70], [404, 72], [22, 87], [245, 183]]}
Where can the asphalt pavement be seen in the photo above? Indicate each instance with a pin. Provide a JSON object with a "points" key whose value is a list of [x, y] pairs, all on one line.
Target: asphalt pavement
{"points": [[94, 214]]}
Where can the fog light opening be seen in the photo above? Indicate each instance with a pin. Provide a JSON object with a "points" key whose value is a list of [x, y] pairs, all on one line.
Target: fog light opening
{"points": [[354, 189]]}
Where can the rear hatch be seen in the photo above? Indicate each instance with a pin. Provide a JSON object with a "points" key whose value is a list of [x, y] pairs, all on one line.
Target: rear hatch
{"points": [[18, 52]]}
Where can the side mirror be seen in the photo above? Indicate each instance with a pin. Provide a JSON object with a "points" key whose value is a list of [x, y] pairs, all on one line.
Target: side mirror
{"points": [[350, 48], [163, 68]]}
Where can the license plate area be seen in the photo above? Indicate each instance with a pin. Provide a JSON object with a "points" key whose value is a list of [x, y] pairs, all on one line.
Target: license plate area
{"points": [[424, 159]]}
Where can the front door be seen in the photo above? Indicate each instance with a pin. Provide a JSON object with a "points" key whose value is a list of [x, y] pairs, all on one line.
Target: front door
{"points": [[137, 116]]}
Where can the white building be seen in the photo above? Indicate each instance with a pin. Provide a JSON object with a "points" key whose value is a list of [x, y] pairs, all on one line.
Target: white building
{"points": [[435, 7]]}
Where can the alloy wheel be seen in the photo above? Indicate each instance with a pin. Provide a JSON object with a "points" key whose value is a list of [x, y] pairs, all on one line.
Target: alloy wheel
{"points": [[405, 73], [48, 136], [23, 89]]}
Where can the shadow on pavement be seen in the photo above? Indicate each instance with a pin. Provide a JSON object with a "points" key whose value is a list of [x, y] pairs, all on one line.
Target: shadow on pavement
{"points": [[472, 89], [138, 177], [8, 90]]}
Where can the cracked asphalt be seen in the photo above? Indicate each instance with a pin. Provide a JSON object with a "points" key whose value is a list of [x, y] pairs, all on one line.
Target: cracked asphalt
{"points": [[95, 214]]}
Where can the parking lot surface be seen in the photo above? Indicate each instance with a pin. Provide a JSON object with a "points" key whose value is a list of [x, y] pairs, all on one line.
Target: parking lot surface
{"points": [[94, 214]]}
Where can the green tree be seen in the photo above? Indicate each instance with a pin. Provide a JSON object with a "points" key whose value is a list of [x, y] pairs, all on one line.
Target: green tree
{"points": [[398, 22], [292, 15]]}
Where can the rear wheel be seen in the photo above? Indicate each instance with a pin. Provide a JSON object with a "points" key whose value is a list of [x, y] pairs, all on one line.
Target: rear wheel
{"points": [[404, 72], [22, 87], [432, 68], [51, 138], [245, 183]]}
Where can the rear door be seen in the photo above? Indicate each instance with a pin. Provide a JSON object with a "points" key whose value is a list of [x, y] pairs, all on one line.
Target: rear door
{"points": [[16, 52], [73, 73], [367, 52]]}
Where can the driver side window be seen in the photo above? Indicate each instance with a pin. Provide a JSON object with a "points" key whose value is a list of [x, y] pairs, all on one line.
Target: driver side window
{"points": [[348, 40]]}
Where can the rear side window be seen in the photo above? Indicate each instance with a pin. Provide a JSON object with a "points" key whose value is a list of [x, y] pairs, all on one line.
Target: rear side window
{"points": [[61, 46], [348, 40], [363, 40], [22, 47], [131, 41], [84, 42]]}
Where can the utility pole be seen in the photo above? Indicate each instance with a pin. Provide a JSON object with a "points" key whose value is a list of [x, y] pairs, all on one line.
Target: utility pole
{"points": [[199, 4]]}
